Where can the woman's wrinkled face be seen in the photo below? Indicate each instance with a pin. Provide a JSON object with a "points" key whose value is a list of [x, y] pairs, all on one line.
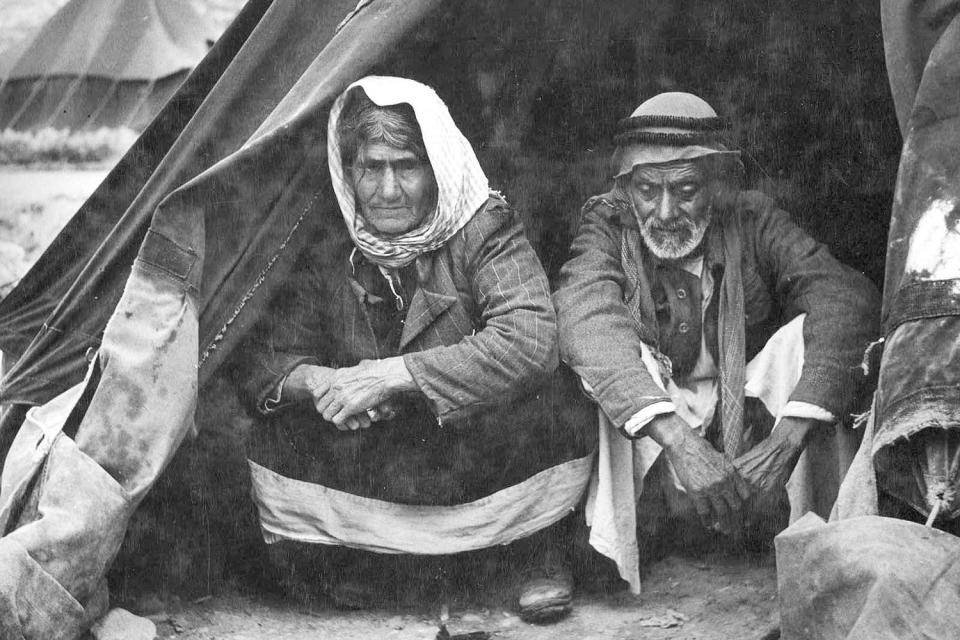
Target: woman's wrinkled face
{"points": [[395, 189], [673, 207]]}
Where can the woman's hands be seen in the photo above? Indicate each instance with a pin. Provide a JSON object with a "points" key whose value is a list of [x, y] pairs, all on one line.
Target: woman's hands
{"points": [[351, 397]]}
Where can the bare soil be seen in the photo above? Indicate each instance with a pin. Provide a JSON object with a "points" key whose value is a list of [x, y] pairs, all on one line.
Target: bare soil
{"points": [[711, 597]]}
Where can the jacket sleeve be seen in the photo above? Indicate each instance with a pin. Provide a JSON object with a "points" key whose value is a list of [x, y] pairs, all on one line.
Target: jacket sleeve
{"points": [[598, 336], [287, 336], [842, 307], [515, 344]]}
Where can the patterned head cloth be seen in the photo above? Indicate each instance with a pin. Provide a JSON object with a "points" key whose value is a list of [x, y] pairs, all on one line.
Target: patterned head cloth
{"points": [[462, 187], [666, 128]]}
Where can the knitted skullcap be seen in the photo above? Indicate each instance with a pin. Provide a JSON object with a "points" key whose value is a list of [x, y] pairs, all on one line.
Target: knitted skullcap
{"points": [[669, 127]]}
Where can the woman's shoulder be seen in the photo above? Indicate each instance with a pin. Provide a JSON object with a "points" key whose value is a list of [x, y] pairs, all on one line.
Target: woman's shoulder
{"points": [[493, 217]]}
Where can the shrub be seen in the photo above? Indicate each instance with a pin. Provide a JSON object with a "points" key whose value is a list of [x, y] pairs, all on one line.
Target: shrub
{"points": [[61, 146]]}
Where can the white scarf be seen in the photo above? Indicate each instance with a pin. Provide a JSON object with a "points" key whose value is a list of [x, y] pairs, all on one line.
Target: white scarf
{"points": [[462, 187]]}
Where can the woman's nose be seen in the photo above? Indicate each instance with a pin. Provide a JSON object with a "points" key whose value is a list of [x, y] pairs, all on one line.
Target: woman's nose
{"points": [[389, 185]]}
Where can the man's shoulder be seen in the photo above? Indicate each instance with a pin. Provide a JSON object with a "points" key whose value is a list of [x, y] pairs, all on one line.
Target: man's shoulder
{"points": [[752, 203], [607, 211], [606, 206], [760, 214]]}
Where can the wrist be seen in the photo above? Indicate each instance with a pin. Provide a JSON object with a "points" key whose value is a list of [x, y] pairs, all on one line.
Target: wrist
{"points": [[295, 383], [796, 431], [668, 430], [399, 378]]}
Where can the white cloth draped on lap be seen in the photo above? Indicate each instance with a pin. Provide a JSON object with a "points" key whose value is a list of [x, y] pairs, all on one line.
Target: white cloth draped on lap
{"points": [[300, 511], [623, 464]]}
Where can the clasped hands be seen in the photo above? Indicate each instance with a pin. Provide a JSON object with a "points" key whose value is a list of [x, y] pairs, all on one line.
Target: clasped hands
{"points": [[719, 486], [351, 397]]}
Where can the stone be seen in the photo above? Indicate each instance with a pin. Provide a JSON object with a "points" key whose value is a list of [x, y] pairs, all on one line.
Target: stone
{"points": [[120, 624]]}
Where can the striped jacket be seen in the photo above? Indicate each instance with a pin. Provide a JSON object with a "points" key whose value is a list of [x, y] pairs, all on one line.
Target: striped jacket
{"points": [[479, 329]]}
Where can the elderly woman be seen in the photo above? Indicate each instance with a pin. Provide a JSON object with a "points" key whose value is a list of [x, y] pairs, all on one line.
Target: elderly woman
{"points": [[406, 373]]}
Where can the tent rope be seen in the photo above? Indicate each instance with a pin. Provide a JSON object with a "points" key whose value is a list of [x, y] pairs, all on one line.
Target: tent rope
{"points": [[934, 513], [212, 345]]}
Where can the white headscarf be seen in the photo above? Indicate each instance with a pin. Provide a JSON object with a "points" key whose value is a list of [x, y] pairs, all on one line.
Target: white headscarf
{"points": [[462, 187]]}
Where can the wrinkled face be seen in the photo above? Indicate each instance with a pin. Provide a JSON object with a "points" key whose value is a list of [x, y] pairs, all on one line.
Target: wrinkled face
{"points": [[673, 207], [395, 189]]}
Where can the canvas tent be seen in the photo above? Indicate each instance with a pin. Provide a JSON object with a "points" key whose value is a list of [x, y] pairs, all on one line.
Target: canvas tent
{"points": [[882, 568], [101, 63], [150, 288]]}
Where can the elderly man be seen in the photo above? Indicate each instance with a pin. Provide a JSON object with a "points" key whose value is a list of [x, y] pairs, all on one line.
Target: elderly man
{"points": [[684, 294]]}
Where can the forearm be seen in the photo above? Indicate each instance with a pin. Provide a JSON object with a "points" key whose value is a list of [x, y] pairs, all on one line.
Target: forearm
{"points": [[488, 368], [668, 430], [514, 344]]}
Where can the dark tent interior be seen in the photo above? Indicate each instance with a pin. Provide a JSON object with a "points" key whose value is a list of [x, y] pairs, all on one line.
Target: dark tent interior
{"points": [[538, 89]]}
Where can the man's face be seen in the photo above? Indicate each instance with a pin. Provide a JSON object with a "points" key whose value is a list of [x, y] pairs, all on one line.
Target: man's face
{"points": [[395, 189], [673, 207]]}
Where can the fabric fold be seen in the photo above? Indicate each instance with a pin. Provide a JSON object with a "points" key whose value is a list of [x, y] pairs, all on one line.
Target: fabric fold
{"points": [[306, 512]]}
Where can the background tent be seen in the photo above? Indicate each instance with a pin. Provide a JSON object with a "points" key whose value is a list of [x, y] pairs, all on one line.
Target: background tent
{"points": [[229, 180], [102, 63]]}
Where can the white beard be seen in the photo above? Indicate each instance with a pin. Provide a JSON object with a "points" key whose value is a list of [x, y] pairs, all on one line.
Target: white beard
{"points": [[674, 244]]}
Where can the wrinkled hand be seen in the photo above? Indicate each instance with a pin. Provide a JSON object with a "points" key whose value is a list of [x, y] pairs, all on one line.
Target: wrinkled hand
{"points": [[708, 476], [767, 467], [352, 397], [367, 386], [308, 382]]}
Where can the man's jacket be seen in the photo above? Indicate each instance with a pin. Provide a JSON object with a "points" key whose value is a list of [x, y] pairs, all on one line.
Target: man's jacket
{"points": [[612, 295]]}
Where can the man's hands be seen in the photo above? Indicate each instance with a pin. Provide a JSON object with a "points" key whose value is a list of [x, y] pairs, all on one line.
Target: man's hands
{"points": [[767, 467], [719, 487], [351, 397], [708, 476]]}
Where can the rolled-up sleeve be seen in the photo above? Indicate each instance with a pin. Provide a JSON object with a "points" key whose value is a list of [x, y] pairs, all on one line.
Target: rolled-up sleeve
{"points": [[285, 338]]}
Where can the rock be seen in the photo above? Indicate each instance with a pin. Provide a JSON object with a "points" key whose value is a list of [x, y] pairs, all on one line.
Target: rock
{"points": [[509, 620], [120, 624], [668, 620]]}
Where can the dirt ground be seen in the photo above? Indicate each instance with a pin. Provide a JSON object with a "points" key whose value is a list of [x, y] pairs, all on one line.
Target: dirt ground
{"points": [[712, 597], [700, 597]]}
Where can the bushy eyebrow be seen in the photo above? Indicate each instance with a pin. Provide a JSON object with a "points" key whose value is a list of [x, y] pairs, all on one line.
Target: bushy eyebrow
{"points": [[675, 181]]}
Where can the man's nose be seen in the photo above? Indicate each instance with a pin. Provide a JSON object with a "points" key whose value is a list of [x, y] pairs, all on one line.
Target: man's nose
{"points": [[666, 207], [390, 185]]}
